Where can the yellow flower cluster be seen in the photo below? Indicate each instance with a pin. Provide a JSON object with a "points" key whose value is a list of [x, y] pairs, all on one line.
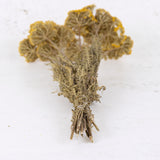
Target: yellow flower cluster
{"points": [[115, 45], [43, 41]]}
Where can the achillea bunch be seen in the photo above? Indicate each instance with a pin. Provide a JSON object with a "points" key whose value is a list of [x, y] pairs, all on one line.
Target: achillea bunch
{"points": [[75, 51]]}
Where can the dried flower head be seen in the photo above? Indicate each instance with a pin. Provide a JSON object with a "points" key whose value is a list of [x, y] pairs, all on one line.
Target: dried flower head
{"points": [[27, 50], [46, 52], [40, 32]]}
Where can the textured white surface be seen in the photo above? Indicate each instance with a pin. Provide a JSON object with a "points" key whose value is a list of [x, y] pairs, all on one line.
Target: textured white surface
{"points": [[35, 124]]}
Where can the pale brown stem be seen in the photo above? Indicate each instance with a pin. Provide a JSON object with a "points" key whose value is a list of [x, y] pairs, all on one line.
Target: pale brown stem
{"points": [[59, 51], [79, 37], [106, 52], [82, 121]]}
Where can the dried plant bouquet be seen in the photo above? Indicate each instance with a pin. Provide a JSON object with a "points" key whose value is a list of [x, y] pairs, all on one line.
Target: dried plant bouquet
{"points": [[74, 51]]}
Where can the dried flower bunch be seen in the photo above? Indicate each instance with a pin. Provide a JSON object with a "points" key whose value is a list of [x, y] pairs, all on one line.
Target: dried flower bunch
{"points": [[74, 51]]}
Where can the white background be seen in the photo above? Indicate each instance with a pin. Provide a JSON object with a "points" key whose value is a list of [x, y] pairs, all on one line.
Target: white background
{"points": [[35, 124]]}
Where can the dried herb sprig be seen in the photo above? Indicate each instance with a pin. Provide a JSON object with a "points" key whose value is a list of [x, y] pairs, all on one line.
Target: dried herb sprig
{"points": [[74, 51]]}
